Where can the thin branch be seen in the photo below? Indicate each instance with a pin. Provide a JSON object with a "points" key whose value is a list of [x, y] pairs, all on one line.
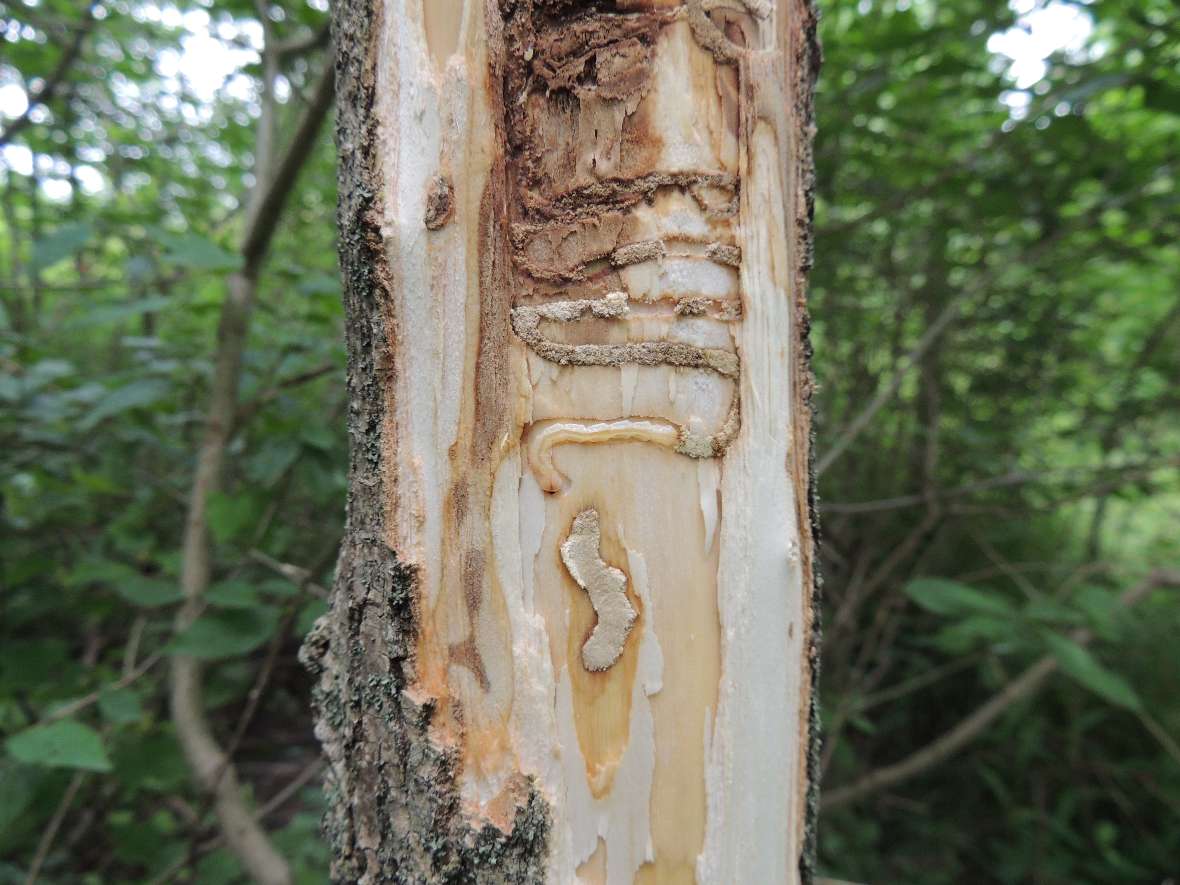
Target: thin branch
{"points": [[254, 698], [83, 702], [917, 683], [46, 842], [295, 574], [53, 82], [249, 409], [937, 328], [131, 649], [1160, 733], [268, 209], [294, 46], [273, 804], [1023, 686], [1007, 480], [279, 799], [211, 766], [933, 332]]}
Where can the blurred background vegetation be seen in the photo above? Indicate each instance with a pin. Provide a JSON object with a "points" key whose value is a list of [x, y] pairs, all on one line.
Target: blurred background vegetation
{"points": [[996, 307]]}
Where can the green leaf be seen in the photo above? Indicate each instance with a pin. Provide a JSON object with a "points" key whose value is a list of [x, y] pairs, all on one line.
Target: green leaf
{"points": [[1102, 610], [233, 594], [120, 706], [114, 313], [1077, 662], [21, 783], [219, 868], [1050, 611], [972, 632], [64, 744], [138, 589], [945, 597], [318, 437], [197, 253], [272, 459], [231, 515], [27, 664], [133, 395], [226, 633], [60, 244], [151, 761], [147, 592], [279, 587], [308, 615]]}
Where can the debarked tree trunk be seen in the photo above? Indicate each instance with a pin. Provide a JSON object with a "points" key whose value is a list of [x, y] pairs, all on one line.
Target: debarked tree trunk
{"points": [[573, 630]]}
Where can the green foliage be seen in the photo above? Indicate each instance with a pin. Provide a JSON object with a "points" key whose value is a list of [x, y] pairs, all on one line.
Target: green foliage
{"points": [[1022, 478], [109, 306], [62, 744], [945, 597], [225, 634], [1078, 663]]}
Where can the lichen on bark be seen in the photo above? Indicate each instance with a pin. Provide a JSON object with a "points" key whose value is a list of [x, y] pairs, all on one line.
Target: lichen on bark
{"points": [[394, 811]]}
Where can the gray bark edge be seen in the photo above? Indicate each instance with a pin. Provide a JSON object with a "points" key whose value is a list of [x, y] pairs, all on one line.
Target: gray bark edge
{"points": [[394, 812]]}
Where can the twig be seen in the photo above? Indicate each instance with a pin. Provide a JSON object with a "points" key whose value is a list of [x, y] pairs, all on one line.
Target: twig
{"points": [[279, 799], [254, 698], [55, 79], [305, 43], [297, 575], [83, 702], [942, 748], [902, 689], [273, 804], [933, 332], [46, 841], [131, 649], [248, 410], [1016, 478], [1158, 732], [268, 209], [212, 768]]}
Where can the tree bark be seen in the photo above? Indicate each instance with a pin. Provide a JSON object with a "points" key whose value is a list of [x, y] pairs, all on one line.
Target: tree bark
{"points": [[573, 633]]}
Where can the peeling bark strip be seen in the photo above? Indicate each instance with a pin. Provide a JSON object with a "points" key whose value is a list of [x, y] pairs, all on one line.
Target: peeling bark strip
{"points": [[573, 635]]}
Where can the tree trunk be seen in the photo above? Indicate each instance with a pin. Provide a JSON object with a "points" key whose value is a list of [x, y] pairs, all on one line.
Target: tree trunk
{"points": [[573, 630]]}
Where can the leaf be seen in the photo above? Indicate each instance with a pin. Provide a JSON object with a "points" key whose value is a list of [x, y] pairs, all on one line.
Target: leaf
{"points": [[233, 594], [60, 244], [308, 616], [230, 515], [945, 597], [138, 589], [120, 706], [133, 395], [225, 633], [152, 761], [280, 587], [1102, 610], [64, 744], [272, 459], [972, 632], [114, 313], [21, 783], [147, 592], [1077, 662], [197, 253], [27, 664], [318, 437], [1050, 611]]}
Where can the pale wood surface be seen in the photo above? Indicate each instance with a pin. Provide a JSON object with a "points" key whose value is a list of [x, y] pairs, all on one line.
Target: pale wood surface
{"points": [[606, 319]]}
